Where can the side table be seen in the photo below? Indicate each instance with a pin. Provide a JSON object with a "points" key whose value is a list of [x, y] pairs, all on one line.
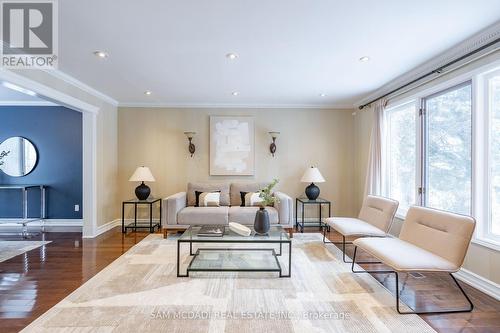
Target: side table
{"points": [[303, 203], [141, 225]]}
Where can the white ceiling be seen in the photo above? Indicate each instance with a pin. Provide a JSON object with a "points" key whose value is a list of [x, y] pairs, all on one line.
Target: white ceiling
{"points": [[289, 51]]}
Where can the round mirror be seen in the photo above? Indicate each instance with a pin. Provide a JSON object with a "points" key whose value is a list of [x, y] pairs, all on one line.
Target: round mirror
{"points": [[18, 156]]}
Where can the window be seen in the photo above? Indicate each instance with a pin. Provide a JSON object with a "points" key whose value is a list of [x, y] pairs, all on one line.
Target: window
{"points": [[448, 150], [401, 129], [446, 155], [493, 106], [444, 179]]}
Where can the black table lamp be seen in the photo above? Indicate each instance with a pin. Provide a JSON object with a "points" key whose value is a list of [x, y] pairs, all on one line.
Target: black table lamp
{"points": [[142, 174], [312, 175]]}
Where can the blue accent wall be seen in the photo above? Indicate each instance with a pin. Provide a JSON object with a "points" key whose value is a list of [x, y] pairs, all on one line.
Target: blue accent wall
{"points": [[56, 132]]}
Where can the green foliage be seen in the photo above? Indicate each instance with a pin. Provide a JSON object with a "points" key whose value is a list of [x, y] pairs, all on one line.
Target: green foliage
{"points": [[268, 199], [2, 155]]}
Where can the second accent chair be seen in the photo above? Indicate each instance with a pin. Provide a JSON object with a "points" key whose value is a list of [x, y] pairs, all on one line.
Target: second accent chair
{"points": [[374, 220], [431, 240]]}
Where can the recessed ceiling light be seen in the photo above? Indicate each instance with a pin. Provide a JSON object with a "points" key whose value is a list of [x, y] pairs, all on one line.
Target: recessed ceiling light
{"points": [[147, 92], [322, 95], [101, 54], [235, 93], [231, 56], [364, 59]]}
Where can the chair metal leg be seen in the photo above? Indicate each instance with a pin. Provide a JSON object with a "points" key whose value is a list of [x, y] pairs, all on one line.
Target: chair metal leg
{"points": [[343, 243], [350, 262], [371, 262], [328, 242], [469, 309]]}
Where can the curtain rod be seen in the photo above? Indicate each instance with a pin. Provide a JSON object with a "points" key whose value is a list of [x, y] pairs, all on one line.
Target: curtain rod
{"points": [[438, 70]]}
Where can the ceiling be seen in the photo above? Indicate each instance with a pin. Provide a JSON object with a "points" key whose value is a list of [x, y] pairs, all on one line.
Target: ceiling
{"points": [[289, 52]]}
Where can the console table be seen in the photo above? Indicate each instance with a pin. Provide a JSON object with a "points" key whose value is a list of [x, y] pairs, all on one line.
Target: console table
{"points": [[25, 219]]}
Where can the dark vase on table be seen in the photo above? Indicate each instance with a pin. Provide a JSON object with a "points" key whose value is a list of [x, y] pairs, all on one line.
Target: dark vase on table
{"points": [[261, 224]]}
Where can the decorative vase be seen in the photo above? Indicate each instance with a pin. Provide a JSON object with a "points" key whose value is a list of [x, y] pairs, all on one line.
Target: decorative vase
{"points": [[261, 224], [142, 191], [312, 192]]}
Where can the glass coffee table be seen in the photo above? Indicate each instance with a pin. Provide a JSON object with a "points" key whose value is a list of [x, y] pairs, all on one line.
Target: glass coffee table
{"points": [[234, 253]]}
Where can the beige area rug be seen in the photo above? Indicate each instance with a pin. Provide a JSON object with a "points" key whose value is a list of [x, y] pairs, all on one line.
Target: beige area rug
{"points": [[10, 249], [139, 292]]}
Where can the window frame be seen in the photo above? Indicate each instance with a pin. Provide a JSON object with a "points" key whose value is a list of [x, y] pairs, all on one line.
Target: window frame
{"points": [[424, 197], [400, 212], [484, 230], [480, 143]]}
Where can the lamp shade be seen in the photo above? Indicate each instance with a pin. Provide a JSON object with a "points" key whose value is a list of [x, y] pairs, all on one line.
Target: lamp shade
{"points": [[274, 134], [189, 135], [312, 175], [142, 174]]}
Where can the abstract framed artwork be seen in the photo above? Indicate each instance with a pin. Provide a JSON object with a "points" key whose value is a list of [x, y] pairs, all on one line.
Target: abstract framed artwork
{"points": [[232, 146]]}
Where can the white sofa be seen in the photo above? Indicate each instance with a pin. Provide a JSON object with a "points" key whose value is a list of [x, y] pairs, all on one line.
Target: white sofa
{"points": [[179, 211]]}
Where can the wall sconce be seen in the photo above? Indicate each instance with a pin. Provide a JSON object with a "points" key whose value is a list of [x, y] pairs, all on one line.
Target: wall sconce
{"points": [[192, 147], [272, 147]]}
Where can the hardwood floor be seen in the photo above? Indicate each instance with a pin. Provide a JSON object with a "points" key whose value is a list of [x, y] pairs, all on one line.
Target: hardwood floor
{"points": [[32, 283]]}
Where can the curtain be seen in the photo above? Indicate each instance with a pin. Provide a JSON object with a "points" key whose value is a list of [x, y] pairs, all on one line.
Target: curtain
{"points": [[374, 172]]}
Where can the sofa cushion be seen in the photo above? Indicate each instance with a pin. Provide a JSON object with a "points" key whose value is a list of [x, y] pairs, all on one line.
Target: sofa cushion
{"points": [[236, 188], [246, 215], [208, 187], [203, 215]]}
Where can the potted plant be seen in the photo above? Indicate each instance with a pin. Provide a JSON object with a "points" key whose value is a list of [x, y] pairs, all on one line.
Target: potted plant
{"points": [[261, 224], [2, 155]]}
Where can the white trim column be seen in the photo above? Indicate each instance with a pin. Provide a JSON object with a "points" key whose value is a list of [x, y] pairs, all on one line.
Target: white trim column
{"points": [[89, 124], [89, 129]]}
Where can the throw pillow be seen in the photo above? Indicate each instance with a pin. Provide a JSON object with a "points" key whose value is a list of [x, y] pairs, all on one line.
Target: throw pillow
{"points": [[207, 199], [249, 199]]}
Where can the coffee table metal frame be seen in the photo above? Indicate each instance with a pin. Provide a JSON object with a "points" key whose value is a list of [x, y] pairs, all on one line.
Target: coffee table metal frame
{"points": [[252, 239]]}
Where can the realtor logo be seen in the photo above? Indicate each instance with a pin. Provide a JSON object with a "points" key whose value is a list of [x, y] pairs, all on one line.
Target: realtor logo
{"points": [[29, 38]]}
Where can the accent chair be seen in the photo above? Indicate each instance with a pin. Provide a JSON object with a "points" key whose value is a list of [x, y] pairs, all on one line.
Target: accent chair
{"points": [[374, 220], [431, 240]]}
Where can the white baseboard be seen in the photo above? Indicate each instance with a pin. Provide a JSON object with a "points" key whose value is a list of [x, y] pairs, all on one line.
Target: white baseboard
{"points": [[105, 227], [480, 283]]}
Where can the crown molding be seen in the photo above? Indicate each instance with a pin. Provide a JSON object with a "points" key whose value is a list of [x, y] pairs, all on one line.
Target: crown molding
{"points": [[484, 37], [47, 92], [27, 103], [234, 106], [79, 84]]}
